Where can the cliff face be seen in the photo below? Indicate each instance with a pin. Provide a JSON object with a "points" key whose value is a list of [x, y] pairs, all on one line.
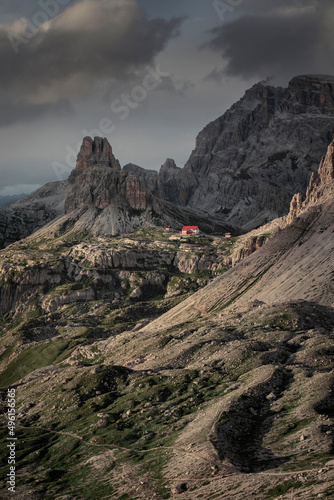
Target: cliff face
{"points": [[321, 183], [97, 182], [96, 152], [101, 186], [107, 200], [254, 158], [248, 163], [32, 212]]}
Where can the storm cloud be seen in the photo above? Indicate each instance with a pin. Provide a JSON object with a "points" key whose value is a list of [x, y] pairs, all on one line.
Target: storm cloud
{"points": [[280, 38], [67, 55]]}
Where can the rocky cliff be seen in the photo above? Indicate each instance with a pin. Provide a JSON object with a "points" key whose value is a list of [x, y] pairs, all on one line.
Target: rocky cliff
{"points": [[32, 212], [97, 180], [107, 200], [230, 393], [321, 183], [248, 163], [297, 263], [119, 367], [96, 151]]}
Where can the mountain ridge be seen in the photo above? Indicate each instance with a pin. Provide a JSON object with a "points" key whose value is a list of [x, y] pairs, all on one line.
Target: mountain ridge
{"points": [[129, 382], [305, 243], [248, 163], [245, 168]]}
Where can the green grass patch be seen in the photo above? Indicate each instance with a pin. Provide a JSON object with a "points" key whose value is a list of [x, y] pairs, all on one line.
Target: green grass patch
{"points": [[283, 488], [32, 358]]}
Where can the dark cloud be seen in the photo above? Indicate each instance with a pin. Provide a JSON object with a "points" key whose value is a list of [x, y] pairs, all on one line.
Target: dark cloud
{"points": [[11, 7], [14, 111], [92, 40], [283, 38], [216, 75]]}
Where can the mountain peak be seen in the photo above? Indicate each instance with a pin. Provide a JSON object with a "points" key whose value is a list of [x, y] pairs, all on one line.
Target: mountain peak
{"points": [[320, 183], [96, 151], [320, 79], [169, 164]]}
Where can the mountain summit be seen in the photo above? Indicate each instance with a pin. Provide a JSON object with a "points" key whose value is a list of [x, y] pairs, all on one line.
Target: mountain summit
{"points": [[248, 163], [321, 185], [138, 374], [104, 199], [96, 152], [243, 172]]}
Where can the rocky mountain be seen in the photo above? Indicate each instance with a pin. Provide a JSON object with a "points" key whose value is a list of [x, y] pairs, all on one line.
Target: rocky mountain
{"points": [[289, 265], [108, 200], [135, 380], [32, 212], [168, 183], [94, 152], [245, 168], [10, 199], [320, 186], [98, 195], [248, 163]]}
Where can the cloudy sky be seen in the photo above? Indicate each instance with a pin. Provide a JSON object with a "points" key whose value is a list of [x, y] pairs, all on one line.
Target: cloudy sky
{"points": [[146, 74]]}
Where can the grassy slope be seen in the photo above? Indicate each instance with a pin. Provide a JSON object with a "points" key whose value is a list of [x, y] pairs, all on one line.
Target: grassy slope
{"points": [[193, 399]]}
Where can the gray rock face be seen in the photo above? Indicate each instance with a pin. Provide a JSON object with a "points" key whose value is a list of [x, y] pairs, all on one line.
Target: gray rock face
{"points": [[96, 152], [248, 163], [149, 177], [107, 200], [321, 183], [32, 212], [99, 186], [101, 269], [259, 153], [245, 168]]}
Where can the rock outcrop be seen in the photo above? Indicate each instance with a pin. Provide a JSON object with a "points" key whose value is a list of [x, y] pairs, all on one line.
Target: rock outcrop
{"points": [[324, 179], [320, 183], [295, 206], [32, 212], [107, 200], [96, 152], [249, 247], [248, 163], [99, 189], [101, 186]]}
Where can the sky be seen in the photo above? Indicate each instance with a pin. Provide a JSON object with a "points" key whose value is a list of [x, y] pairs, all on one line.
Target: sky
{"points": [[146, 74]]}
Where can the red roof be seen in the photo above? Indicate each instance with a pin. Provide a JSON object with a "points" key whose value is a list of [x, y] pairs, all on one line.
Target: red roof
{"points": [[186, 228]]}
